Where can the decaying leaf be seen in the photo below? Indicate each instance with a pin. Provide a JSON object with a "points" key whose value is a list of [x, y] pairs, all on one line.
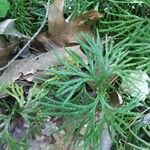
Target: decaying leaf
{"points": [[91, 15], [137, 85], [17, 128], [41, 62], [40, 144], [50, 139], [63, 33], [50, 128]]}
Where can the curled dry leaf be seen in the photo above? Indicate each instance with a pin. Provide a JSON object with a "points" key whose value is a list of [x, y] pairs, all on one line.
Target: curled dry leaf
{"points": [[115, 99], [62, 33], [41, 62]]}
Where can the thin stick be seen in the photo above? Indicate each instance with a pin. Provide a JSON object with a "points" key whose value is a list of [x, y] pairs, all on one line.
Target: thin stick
{"points": [[32, 38]]}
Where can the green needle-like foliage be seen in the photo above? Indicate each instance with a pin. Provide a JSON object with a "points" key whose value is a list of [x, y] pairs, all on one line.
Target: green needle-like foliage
{"points": [[29, 15], [80, 91], [18, 108]]}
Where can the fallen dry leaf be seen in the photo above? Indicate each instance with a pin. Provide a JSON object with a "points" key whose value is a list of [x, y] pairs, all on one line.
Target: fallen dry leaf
{"points": [[62, 33], [17, 128], [31, 66], [90, 15], [50, 139], [40, 144]]}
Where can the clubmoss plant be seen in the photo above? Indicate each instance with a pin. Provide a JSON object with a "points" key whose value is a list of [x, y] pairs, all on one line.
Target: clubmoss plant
{"points": [[82, 94], [20, 115], [28, 14]]}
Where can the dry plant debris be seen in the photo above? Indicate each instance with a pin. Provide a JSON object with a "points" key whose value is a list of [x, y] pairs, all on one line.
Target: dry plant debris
{"points": [[101, 99], [61, 35]]}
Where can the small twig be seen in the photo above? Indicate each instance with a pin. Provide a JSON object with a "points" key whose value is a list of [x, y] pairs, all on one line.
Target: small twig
{"points": [[32, 38]]}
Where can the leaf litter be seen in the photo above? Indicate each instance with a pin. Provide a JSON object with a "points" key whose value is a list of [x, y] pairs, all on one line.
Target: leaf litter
{"points": [[61, 35], [29, 66], [9, 40], [47, 50]]}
